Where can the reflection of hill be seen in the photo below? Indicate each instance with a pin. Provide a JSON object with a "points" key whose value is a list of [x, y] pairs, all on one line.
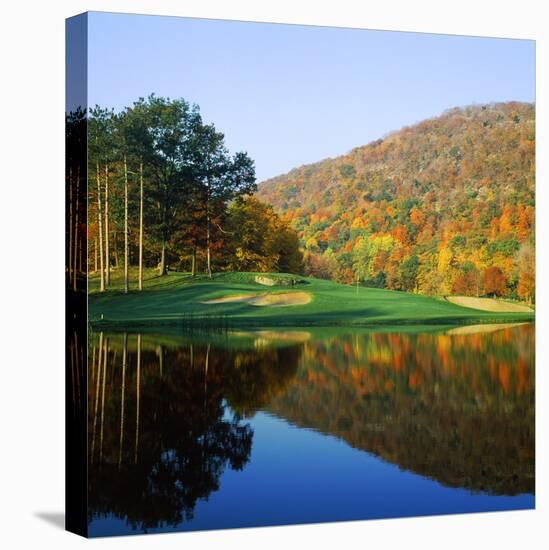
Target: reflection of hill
{"points": [[161, 434], [458, 409]]}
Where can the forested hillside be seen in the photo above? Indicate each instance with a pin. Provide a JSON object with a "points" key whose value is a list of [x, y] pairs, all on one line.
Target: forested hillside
{"points": [[442, 207]]}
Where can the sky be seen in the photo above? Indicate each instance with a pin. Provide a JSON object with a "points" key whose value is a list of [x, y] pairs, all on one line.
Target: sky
{"points": [[291, 95]]}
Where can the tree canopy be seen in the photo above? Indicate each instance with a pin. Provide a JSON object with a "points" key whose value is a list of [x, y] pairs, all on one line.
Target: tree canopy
{"points": [[162, 181]]}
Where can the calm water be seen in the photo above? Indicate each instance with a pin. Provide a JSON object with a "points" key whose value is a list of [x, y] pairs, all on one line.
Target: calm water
{"points": [[220, 430]]}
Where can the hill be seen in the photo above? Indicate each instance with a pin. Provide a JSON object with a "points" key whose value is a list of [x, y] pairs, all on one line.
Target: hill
{"points": [[444, 206]]}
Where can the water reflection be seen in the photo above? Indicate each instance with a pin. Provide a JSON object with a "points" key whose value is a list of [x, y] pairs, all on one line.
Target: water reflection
{"points": [[458, 408], [160, 429], [168, 415]]}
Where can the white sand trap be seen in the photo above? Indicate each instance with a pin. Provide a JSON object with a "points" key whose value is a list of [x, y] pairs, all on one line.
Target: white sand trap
{"points": [[489, 304], [282, 299], [481, 329], [266, 281]]}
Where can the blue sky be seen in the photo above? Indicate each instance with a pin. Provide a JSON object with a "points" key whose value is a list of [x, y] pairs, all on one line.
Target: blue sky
{"points": [[291, 95]]}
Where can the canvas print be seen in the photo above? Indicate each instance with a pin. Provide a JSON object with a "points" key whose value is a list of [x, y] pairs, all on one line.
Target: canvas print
{"points": [[300, 274]]}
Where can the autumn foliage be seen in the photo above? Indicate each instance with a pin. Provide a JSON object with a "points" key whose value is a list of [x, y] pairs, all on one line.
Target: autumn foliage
{"points": [[445, 206]]}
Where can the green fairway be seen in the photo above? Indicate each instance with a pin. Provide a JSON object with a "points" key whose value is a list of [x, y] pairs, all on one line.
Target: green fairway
{"points": [[179, 299]]}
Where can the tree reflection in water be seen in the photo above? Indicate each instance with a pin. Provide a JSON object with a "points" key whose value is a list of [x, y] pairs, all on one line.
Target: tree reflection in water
{"points": [[161, 431], [168, 416], [457, 408]]}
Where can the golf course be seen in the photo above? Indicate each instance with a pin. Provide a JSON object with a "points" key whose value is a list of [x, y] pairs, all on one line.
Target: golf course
{"points": [[274, 300]]}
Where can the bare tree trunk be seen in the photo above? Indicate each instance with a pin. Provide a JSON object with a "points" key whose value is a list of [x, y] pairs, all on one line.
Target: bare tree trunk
{"points": [[99, 218], [93, 365], [80, 247], [162, 268], [140, 283], [75, 254], [208, 234], [193, 263], [125, 225], [107, 255], [95, 256], [208, 251], [116, 258]]}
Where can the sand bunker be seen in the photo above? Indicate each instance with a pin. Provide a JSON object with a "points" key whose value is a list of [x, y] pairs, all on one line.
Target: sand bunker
{"points": [[481, 329], [489, 304], [282, 299], [266, 281]]}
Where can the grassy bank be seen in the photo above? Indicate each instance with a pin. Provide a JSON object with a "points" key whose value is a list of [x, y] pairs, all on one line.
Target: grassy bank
{"points": [[179, 299]]}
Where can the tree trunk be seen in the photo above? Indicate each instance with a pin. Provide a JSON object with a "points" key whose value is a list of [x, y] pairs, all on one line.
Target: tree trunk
{"points": [[93, 365], [99, 216], [80, 259], [193, 263], [208, 232], [140, 284], [208, 253], [125, 226], [116, 258], [95, 256], [162, 268], [107, 255]]}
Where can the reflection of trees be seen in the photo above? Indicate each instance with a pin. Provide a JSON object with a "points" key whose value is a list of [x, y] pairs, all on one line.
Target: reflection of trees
{"points": [[259, 376], [458, 409], [162, 435]]}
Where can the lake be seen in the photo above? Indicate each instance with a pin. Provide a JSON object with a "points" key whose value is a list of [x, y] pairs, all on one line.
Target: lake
{"points": [[205, 430]]}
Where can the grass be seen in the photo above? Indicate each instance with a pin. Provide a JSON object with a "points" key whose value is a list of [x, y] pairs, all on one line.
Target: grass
{"points": [[176, 299]]}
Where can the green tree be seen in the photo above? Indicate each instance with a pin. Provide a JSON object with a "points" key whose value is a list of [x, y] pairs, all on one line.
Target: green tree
{"points": [[408, 273]]}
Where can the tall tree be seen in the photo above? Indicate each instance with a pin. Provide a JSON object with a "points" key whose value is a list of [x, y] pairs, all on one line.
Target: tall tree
{"points": [[138, 146], [526, 271], [126, 234], [169, 134], [101, 152], [219, 179], [107, 254], [100, 224], [140, 277]]}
